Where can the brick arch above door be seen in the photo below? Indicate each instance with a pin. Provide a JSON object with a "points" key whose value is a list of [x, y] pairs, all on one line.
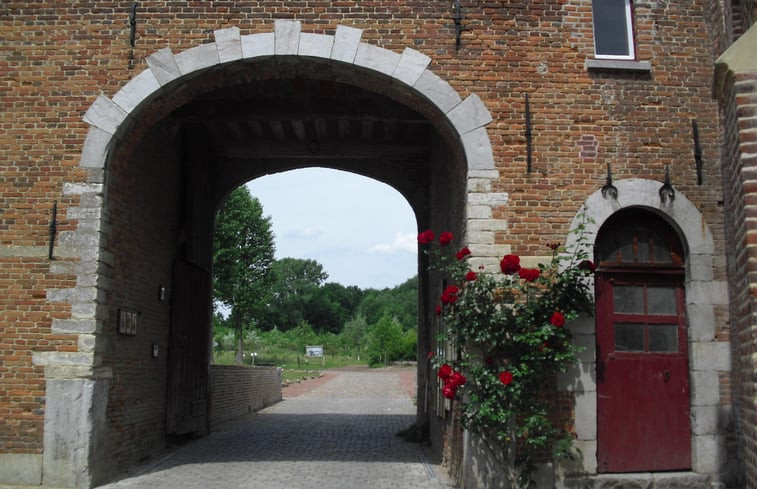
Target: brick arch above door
{"points": [[709, 358]]}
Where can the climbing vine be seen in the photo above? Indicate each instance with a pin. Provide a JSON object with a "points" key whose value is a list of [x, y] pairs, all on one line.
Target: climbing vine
{"points": [[510, 330]]}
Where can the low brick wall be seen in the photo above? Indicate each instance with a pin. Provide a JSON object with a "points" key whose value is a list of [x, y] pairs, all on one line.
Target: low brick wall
{"points": [[235, 391]]}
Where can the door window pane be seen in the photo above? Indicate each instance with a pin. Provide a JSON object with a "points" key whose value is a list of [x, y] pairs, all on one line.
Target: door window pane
{"points": [[629, 337], [663, 337], [628, 299], [662, 300]]}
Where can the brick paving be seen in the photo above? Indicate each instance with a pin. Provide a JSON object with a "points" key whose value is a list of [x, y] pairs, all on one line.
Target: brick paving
{"points": [[338, 433]]}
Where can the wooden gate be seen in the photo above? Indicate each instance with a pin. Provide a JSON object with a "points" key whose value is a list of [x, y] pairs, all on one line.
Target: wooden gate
{"points": [[188, 350]]}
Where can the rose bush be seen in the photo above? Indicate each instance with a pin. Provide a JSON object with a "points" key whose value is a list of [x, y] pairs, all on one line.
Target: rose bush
{"points": [[509, 330]]}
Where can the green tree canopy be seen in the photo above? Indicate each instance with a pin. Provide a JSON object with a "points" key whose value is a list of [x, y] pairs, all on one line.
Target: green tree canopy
{"points": [[243, 261], [385, 340]]}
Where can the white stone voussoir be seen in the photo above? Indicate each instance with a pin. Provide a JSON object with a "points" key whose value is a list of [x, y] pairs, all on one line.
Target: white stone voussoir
{"points": [[163, 65], [137, 91], [315, 45], [376, 59], [105, 114], [437, 91], [346, 42], [229, 44], [411, 66], [96, 147], [478, 149], [258, 45], [197, 58], [287, 38], [470, 114]]}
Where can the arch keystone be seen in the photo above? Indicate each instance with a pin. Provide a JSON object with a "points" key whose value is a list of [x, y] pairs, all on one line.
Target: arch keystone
{"points": [[287, 36]]}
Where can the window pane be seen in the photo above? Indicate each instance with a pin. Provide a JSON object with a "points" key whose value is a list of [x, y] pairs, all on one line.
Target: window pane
{"points": [[662, 300], [611, 28], [663, 338], [628, 299], [661, 251], [629, 337]]}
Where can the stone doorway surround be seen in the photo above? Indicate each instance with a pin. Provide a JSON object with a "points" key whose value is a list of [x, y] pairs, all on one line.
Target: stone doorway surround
{"points": [[77, 383], [709, 358]]}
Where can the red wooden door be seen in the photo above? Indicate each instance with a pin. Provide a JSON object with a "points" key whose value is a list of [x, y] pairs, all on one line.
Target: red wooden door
{"points": [[642, 374]]}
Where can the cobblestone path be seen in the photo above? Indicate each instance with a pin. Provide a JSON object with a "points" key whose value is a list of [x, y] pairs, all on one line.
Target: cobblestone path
{"points": [[339, 435]]}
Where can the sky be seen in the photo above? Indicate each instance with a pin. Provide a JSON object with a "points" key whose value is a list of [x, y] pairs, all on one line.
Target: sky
{"points": [[362, 231]]}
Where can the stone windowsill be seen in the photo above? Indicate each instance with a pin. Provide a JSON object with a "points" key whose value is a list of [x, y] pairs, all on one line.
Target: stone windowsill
{"points": [[618, 65]]}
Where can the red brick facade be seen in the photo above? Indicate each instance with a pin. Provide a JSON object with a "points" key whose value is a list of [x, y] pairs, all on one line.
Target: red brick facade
{"points": [[56, 58]]}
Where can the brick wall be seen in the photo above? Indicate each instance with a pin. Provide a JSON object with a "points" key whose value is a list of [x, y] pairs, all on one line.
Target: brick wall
{"points": [[56, 57], [236, 391], [740, 175]]}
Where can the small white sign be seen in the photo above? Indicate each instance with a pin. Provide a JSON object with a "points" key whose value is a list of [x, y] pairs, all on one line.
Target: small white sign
{"points": [[313, 351]]}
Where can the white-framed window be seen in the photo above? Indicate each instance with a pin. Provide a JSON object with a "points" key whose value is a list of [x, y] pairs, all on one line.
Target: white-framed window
{"points": [[613, 29]]}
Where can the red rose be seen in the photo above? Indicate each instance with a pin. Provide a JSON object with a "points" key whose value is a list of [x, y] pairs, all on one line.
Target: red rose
{"points": [[456, 379], [510, 264], [462, 253], [430, 355], [449, 295], [449, 391], [529, 274], [506, 377], [587, 265], [438, 310], [426, 237], [553, 246], [471, 276], [445, 238], [444, 371], [557, 319]]}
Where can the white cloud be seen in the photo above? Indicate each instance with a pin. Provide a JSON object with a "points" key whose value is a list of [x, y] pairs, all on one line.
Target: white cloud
{"points": [[336, 218], [306, 233], [403, 242]]}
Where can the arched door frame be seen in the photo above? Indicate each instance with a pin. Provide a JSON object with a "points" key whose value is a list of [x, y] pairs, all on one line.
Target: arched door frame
{"points": [[708, 357], [75, 432]]}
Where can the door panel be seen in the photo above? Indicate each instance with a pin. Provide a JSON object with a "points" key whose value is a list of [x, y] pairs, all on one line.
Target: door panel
{"points": [[643, 396], [187, 405]]}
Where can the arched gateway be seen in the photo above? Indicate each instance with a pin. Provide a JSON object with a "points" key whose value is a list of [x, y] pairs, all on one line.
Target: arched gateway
{"points": [[160, 156]]}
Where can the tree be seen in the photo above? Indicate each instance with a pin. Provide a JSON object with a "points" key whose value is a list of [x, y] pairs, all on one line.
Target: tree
{"points": [[400, 302], [296, 282], [354, 335], [243, 261], [385, 340]]}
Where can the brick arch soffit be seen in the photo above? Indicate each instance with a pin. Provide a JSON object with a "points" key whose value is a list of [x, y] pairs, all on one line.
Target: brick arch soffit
{"points": [[110, 118]]}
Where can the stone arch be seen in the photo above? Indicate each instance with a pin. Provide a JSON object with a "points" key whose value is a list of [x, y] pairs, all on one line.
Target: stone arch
{"points": [[708, 356], [73, 437]]}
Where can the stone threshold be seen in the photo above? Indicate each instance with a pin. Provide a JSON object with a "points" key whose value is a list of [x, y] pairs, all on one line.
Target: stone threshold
{"points": [[641, 480]]}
